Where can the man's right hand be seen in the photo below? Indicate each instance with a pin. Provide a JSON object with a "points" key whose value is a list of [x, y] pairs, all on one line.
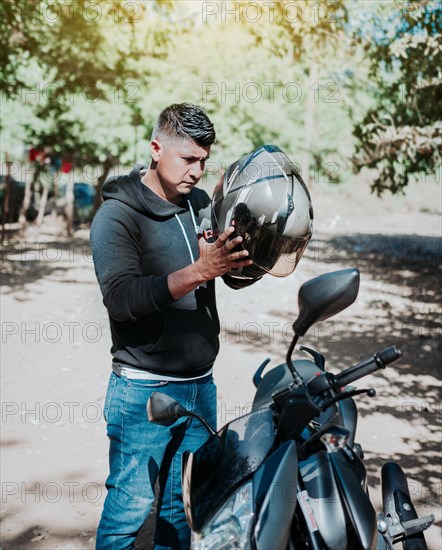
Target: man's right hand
{"points": [[215, 259]]}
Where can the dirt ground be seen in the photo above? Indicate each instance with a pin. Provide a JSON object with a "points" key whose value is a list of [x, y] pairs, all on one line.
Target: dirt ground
{"points": [[56, 362]]}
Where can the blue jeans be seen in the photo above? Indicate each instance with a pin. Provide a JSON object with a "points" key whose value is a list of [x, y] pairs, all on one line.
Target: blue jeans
{"points": [[142, 453]]}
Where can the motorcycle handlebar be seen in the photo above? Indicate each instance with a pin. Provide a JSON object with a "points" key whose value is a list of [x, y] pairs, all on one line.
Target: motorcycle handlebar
{"points": [[390, 355], [379, 361]]}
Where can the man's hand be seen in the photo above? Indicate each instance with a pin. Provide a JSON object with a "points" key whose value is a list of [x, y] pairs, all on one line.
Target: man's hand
{"points": [[215, 260]]}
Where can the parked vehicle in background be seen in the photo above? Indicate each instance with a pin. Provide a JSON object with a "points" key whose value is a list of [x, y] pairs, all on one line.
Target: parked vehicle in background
{"points": [[84, 197], [17, 193]]}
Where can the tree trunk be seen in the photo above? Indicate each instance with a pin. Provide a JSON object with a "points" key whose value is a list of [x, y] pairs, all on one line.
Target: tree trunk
{"points": [[309, 126], [7, 196], [28, 212], [43, 202], [70, 206], [26, 202], [108, 164]]}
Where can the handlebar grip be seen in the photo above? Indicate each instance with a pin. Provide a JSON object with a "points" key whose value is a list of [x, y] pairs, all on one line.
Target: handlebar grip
{"points": [[389, 355], [378, 361]]}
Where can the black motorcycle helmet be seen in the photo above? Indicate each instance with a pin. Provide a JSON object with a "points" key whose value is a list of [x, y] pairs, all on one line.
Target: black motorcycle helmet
{"points": [[265, 198]]}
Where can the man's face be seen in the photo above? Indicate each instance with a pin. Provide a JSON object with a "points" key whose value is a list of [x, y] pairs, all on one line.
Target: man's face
{"points": [[179, 166]]}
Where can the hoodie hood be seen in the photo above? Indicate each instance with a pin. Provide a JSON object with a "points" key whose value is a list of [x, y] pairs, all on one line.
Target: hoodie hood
{"points": [[131, 190]]}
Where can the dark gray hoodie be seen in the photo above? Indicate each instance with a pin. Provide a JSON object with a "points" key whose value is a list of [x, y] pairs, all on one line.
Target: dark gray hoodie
{"points": [[137, 240]]}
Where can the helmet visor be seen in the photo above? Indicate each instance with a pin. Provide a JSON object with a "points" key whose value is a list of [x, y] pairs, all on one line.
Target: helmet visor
{"points": [[274, 253]]}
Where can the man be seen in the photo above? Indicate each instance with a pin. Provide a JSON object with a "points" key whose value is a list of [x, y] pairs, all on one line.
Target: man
{"points": [[157, 276]]}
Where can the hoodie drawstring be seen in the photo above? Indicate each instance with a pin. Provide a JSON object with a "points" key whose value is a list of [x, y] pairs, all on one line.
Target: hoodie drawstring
{"points": [[193, 217], [184, 231]]}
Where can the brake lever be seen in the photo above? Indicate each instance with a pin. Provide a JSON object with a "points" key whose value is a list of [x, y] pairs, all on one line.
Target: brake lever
{"points": [[371, 392]]}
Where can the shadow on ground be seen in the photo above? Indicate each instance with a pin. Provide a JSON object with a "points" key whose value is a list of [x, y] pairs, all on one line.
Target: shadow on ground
{"points": [[37, 536], [24, 262], [400, 305]]}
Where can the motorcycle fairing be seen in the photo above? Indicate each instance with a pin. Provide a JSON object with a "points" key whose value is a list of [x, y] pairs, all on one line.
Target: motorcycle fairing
{"points": [[280, 378], [353, 492], [349, 416], [317, 478], [274, 495], [224, 462]]}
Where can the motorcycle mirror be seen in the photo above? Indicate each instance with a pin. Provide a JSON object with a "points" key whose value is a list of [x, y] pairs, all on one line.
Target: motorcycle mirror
{"points": [[163, 409], [325, 296]]}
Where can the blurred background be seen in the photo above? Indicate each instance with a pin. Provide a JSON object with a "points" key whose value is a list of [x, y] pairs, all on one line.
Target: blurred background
{"points": [[350, 90], [342, 87]]}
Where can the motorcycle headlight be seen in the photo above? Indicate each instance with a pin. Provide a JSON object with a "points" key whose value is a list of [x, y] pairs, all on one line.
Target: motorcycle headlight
{"points": [[231, 526]]}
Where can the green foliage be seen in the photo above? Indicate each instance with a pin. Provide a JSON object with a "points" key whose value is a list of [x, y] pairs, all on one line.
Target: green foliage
{"points": [[73, 67], [300, 77], [64, 38], [402, 134], [301, 30], [84, 131]]}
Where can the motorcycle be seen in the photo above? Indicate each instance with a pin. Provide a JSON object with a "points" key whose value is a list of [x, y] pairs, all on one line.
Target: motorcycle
{"points": [[289, 474]]}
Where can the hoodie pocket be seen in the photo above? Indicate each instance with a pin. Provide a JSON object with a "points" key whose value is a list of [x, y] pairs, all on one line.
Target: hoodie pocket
{"points": [[143, 335], [153, 347], [189, 337]]}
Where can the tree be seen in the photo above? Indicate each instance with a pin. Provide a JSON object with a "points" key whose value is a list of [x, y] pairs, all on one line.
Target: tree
{"points": [[401, 134], [66, 39], [76, 65], [306, 34]]}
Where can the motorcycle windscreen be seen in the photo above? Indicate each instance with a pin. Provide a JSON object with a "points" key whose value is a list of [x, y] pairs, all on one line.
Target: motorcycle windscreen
{"points": [[224, 462]]}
